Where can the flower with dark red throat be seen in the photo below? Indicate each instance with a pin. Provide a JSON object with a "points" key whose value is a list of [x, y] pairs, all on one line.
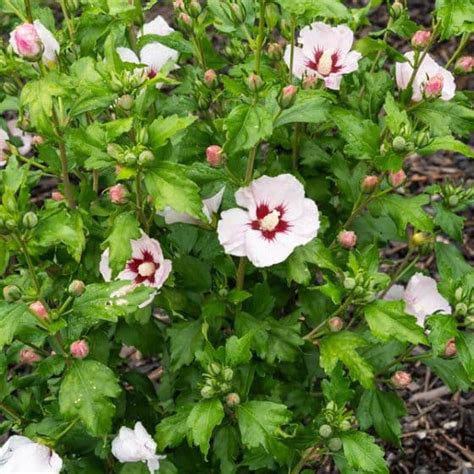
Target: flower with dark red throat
{"points": [[3, 147], [324, 52], [147, 266], [277, 218]]}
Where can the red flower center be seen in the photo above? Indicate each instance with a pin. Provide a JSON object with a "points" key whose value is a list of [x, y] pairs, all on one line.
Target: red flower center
{"points": [[152, 72], [270, 222], [324, 62], [145, 268]]}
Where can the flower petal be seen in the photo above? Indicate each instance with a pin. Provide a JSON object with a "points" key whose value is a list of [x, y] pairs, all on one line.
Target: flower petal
{"points": [[157, 55], [157, 26], [104, 266], [395, 293], [231, 231], [50, 44], [127, 55]]}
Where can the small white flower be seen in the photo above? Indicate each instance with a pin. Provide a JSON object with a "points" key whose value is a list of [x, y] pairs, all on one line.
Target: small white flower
{"points": [[428, 70], [153, 55], [3, 147], [26, 138], [325, 52], [277, 218], [136, 445], [20, 455], [421, 297], [209, 208]]}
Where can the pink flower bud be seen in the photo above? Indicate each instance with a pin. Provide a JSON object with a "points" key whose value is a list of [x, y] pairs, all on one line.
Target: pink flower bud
{"points": [[464, 65], [369, 183], [275, 51], [29, 356], [185, 19], [433, 86], [118, 194], [79, 349], [450, 349], [57, 196], [178, 4], [421, 39], [26, 42], [254, 82], [37, 140], [397, 179], [401, 379], [288, 96], [335, 324], [347, 239], [214, 155], [38, 308], [309, 82], [210, 78]]}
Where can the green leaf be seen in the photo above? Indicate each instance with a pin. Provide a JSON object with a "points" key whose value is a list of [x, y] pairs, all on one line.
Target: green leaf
{"points": [[247, 125], [387, 320], [451, 372], [370, 46], [337, 388], [125, 227], [310, 8], [259, 421], [456, 17], [449, 222], [465, 347], [119, 6], [310, 107], [174, 40], [204, 417], [396, 118], [442, 329], [163, 129], [447, 143], [382, 410], [168, 185], [237, 350], [362, 453], [186, 340], [403, 26], [226, 448], [14, 317], [403, 211], [362, 136], [86, 392], [173, 429], [450, 262], [342, 347]]}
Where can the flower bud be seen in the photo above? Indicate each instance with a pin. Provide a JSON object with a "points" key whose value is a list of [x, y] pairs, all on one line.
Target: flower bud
{"points": [[214, 368], [458, 294], [433, 87], [79, 349], [10, 88], [464, 65], [288, 96], [349, 283], [335, 444], [145, 157], [419, 239], [10, 224], [29, 356], [347, 239], [369, 183], [227, 374], [275, 51], [26, 42], [238, 12], [335, 324], [118, 194], [194, 8], [345, 425], [325, 431], [125, 102], [210, 78], [30, 220], [309, 82], [114, 150], [397, 179], [57, 196], [421, 39], [399, 144], [254, 82], [450, 350], [396, 9], [39, 310], [130, 158], [401, 379], [37, 140], [178, 4], [232, 399], [185, 22], [76, 288], [11, 293], [207, 391], [461, 309], [453, 201], [214, 155]]}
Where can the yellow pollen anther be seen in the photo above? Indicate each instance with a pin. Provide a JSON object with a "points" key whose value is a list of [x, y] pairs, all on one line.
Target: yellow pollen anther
{"points": [[270, 221]]}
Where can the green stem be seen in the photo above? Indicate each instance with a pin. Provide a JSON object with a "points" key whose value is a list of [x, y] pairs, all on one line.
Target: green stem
{"points": [[11, 412], [459, 49], [68, 22], [29, 11], [304, 459], [139, 200], [398, 273], [260, 38], [240, 278], [295, 147], [66, 430], [292, 48], [250, 165], [29, 263]]}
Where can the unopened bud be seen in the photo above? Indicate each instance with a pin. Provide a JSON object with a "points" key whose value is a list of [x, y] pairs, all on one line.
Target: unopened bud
{"points": [[26, 42], [347, 239], [325, 431], [207, 391], [397, 9], [461, 309], [125, 102], [227, 374], [238, 12], [349, 283], [194, 8], [145, 157], [30, 220], [399, 144], [254, 82], [288, 96], [419, 239], [458, 294], [309, 82], [11, 293], [232, 399], [210, 78], [421, 39], [401, 379], [77, 288], [37, 140], [369, 183], [464, 65], [79, 349], [345, 425], [397, 179], [433, 87], [275, 51], [335, 324], [29, 356], [453, 201], [450, 350], [178, 4], [39, 309], [335, 444], [214, 368], [118, 194], [214, 155], [185, 21], [114, 150], [57, 196], [10, 88]]}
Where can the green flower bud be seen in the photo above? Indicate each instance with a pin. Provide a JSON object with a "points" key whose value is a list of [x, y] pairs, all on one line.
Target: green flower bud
{"points": [[145, 157], [228, 374], [125, 102], [397, 9], [331, 406], [335, 444], [238, 12], [214, 368], [76, 288], [345, 425], [142, 135], [458, 294], [461, 309], [399, 144], [453, 201], [254, 82], [10, 88], [422, 139], [194, 8], [11, 293], [225, 387], [349, 283], [30, 220], [325, 431], [10, 224], [114, 150], [130, 158], [207, 391], [232, 399]]}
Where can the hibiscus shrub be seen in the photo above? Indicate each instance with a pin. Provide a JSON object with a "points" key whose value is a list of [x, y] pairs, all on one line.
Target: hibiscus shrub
{"points": [[210, 255]]}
